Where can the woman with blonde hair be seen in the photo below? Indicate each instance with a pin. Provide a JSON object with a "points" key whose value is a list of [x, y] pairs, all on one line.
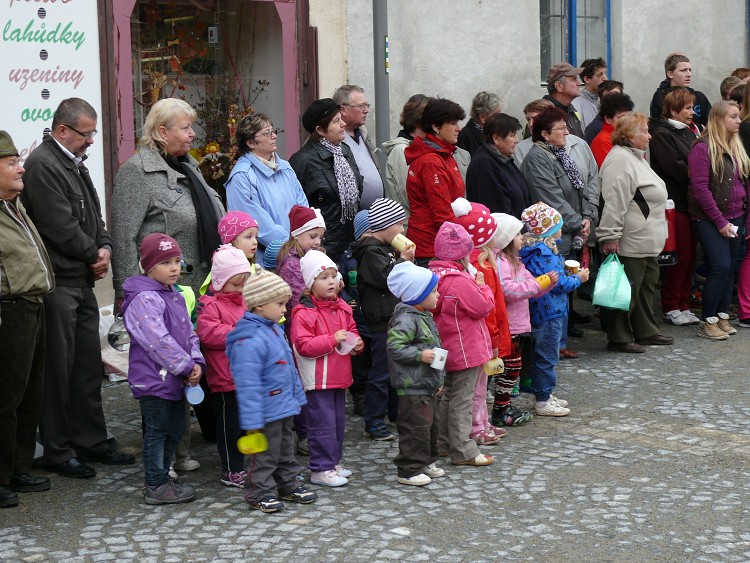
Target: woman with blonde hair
{"points": [[717, 199]]}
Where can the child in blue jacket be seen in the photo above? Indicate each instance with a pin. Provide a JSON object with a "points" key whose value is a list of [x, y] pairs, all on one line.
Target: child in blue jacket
{"points": [[540, 256], [269, 394]]}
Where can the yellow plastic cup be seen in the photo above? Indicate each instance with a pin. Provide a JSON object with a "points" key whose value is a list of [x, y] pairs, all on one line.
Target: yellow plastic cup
{"points": [[254, 443], [494, 367]]}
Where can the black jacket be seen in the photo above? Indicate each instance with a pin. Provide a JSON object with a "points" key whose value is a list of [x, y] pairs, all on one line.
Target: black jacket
{"points": [[470, 137], [62, 202], [375, 260], [670, 148], [496, 182], [574, 123], [701, 108], [313, 164]]}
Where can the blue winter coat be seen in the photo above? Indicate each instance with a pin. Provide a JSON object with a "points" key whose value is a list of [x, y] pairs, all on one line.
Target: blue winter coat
{"points": [[268, 384], [539, 259]]}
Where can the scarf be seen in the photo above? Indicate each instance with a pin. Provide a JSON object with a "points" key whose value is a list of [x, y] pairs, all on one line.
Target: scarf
{"points": [[347, 184], [270, 163], [205, 214], [570, 167]]}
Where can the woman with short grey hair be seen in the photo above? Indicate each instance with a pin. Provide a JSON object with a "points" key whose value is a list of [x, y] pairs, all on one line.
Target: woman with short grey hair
{"points": [[484, 105]]}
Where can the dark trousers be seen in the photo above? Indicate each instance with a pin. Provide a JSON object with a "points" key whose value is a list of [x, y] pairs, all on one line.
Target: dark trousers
{"points": [[72, 416], [228, 431], [164, 421], [640, 321], [276, 468], [21, 384], [326, 419], [380, 397], [720, 253], [417, 434], [360, 367]]}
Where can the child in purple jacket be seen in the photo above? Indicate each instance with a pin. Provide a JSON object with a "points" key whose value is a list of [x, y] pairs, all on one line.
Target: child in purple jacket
{"points": [[164, 355]]}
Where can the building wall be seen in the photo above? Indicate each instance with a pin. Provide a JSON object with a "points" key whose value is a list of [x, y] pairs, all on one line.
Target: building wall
{"points": [[329, 16]]}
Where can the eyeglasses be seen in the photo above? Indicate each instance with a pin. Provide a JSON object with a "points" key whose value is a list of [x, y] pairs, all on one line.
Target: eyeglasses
{"points": [[271, 133], [89, 135], [359, 106], [563, 128]]}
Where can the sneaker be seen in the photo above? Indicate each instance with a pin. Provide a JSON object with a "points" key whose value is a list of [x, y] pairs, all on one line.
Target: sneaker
{"points": [[188, 464], [724, 324], [510, 416], [499, 432], [342, 471], [417, 481], [688, 314], [172, 473], [710, 329], [550, 408], [233, 478], [676, 318], [484, 438], [302, 448], [170, 492], [744, 323], [302, 495], [379, 433], [433, 471], [328, 478], [561, 402], [268, 504]]}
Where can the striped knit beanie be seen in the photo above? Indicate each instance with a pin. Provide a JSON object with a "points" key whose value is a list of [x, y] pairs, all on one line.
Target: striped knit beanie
{"points": [[385, 212], [264, 288]]}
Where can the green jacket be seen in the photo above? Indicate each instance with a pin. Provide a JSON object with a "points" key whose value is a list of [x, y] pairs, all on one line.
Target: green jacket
{"points": [[410, 332]]}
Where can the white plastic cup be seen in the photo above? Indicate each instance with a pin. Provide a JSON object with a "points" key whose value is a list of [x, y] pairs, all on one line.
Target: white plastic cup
{"points": [[401, 243], [194, 394], [347, 345], [572, 267], [441, 355]]}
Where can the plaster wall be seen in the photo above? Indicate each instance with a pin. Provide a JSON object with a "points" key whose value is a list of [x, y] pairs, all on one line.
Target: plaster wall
{"points": [[330, 17]]}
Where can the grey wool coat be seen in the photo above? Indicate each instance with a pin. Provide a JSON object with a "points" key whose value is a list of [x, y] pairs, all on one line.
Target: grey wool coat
{"points": [[150, 197]]}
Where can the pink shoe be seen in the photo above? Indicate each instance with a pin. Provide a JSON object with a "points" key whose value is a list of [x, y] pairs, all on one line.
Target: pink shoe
{"points": [[499, 432], [484, 438]]}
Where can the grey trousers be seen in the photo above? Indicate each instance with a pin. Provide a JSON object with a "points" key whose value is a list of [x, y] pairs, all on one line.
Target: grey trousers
{"points": [[454, 415], [276, 468], [417, 424]]}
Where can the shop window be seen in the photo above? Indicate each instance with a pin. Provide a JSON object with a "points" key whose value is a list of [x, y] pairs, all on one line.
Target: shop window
{"points": [[573, 39]]}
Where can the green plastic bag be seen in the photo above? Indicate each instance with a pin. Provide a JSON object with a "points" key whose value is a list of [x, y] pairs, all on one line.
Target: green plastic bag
{"points": [[612, 288]]}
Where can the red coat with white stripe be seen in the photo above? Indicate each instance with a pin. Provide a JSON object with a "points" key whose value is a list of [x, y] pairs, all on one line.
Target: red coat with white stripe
{"points": [[314, 322], [459, 316]]}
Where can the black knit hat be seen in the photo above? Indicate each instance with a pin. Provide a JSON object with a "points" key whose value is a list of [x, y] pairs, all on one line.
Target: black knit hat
{"points": [[318, 110]]}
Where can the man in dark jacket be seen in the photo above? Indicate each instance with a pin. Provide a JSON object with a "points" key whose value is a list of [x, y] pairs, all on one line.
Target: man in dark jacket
{"points": [[61, 200], [563, 87], [679, 73]]}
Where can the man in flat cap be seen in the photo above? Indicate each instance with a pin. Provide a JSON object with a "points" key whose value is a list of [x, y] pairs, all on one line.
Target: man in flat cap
{"points": [[563, 87]]}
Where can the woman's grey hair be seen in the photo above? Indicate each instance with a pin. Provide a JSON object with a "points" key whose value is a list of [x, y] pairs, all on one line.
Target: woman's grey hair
{"points": [[164, 112], [485, 103]]}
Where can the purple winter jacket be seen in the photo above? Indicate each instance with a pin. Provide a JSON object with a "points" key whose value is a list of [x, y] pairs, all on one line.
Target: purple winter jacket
{"points": [[163, 346]]}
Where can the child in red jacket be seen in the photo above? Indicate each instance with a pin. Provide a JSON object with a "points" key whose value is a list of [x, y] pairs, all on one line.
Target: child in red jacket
{"points": [[219, 312], [319, 330]]}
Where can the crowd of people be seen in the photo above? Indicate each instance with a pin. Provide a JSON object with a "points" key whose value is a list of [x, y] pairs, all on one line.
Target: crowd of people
{"points": [[434, 293]]}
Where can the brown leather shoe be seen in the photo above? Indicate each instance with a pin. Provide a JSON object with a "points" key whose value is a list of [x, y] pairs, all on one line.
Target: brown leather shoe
{"points": [[656, 340], [625, 347], [568, 353]]}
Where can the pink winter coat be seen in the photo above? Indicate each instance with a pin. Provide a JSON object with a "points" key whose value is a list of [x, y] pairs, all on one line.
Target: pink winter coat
{"points": [[218, 316], [459, 316], [315, 322], [519, 286]]}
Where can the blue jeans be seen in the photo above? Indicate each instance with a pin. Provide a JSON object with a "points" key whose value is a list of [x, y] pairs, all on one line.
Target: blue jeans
{"points": [[545, 357], [720, 253], [164, 422], [380, 397]]}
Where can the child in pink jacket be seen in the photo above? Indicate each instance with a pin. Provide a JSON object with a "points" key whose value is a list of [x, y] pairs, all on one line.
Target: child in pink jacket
{"points": [[518, 285], [319, 326], [219, 312], [461, 309]]}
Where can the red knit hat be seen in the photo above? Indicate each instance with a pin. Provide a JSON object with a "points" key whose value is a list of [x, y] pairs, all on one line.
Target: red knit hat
{"points": [[476, 219], [303, 219], [157, 248]]}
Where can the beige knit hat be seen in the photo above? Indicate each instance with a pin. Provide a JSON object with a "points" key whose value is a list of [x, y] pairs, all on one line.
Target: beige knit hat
{"points": [[264, 288]]}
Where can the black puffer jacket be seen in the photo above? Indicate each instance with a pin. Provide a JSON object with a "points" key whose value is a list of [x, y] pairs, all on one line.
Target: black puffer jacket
{"points": [[375, 260], [313, 164], [670, 148]]}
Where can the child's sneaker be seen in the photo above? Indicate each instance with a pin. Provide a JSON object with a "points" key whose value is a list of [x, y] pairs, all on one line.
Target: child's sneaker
{"points": [[561, 402], [379, 433], [233, 478], [268, 504], [498, 432], [302, 448], [342, 471], [302, 495], [550, 408], [433, 471], [510, 416], [417, 481], [170, 492], [484, 438], [188, 464], [328, 478]]}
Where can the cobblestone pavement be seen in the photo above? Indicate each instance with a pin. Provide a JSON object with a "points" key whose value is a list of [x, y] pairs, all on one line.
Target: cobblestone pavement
{"points": [[652, 465]]}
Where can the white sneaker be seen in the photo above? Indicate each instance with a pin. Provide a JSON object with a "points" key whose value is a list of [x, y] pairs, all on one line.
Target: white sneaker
{"points": [[418, 480], [328, 478], [550, 408], [676, 318], [433, 471], [688, 314], [342, 471], [188, 464], [561, 402], [173, 473]]}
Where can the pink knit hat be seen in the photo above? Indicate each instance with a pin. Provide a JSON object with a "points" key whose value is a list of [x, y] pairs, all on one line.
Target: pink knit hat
{"points": [[157, 248], [476, 219], [233, 223], [452, 242], [228, 262]]}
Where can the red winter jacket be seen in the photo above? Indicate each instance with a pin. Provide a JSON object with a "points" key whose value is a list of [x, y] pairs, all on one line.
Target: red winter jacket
{"points": [[497, 320], [434, 181], [218, 316], [315, 321]]}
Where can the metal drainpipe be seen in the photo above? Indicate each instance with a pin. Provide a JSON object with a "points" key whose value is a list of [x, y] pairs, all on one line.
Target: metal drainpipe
{"points": [[382, 94]]}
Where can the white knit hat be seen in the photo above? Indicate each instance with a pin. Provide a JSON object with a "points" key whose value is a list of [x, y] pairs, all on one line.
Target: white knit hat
{"points": [[228, 261], [314, 263], [507, 229]]}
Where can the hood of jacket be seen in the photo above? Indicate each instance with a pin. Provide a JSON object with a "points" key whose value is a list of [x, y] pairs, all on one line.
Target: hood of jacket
{"points": [[388, 146], [253, 323], [138, 284], [446, 268], [360, 246], [429, 145]]}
